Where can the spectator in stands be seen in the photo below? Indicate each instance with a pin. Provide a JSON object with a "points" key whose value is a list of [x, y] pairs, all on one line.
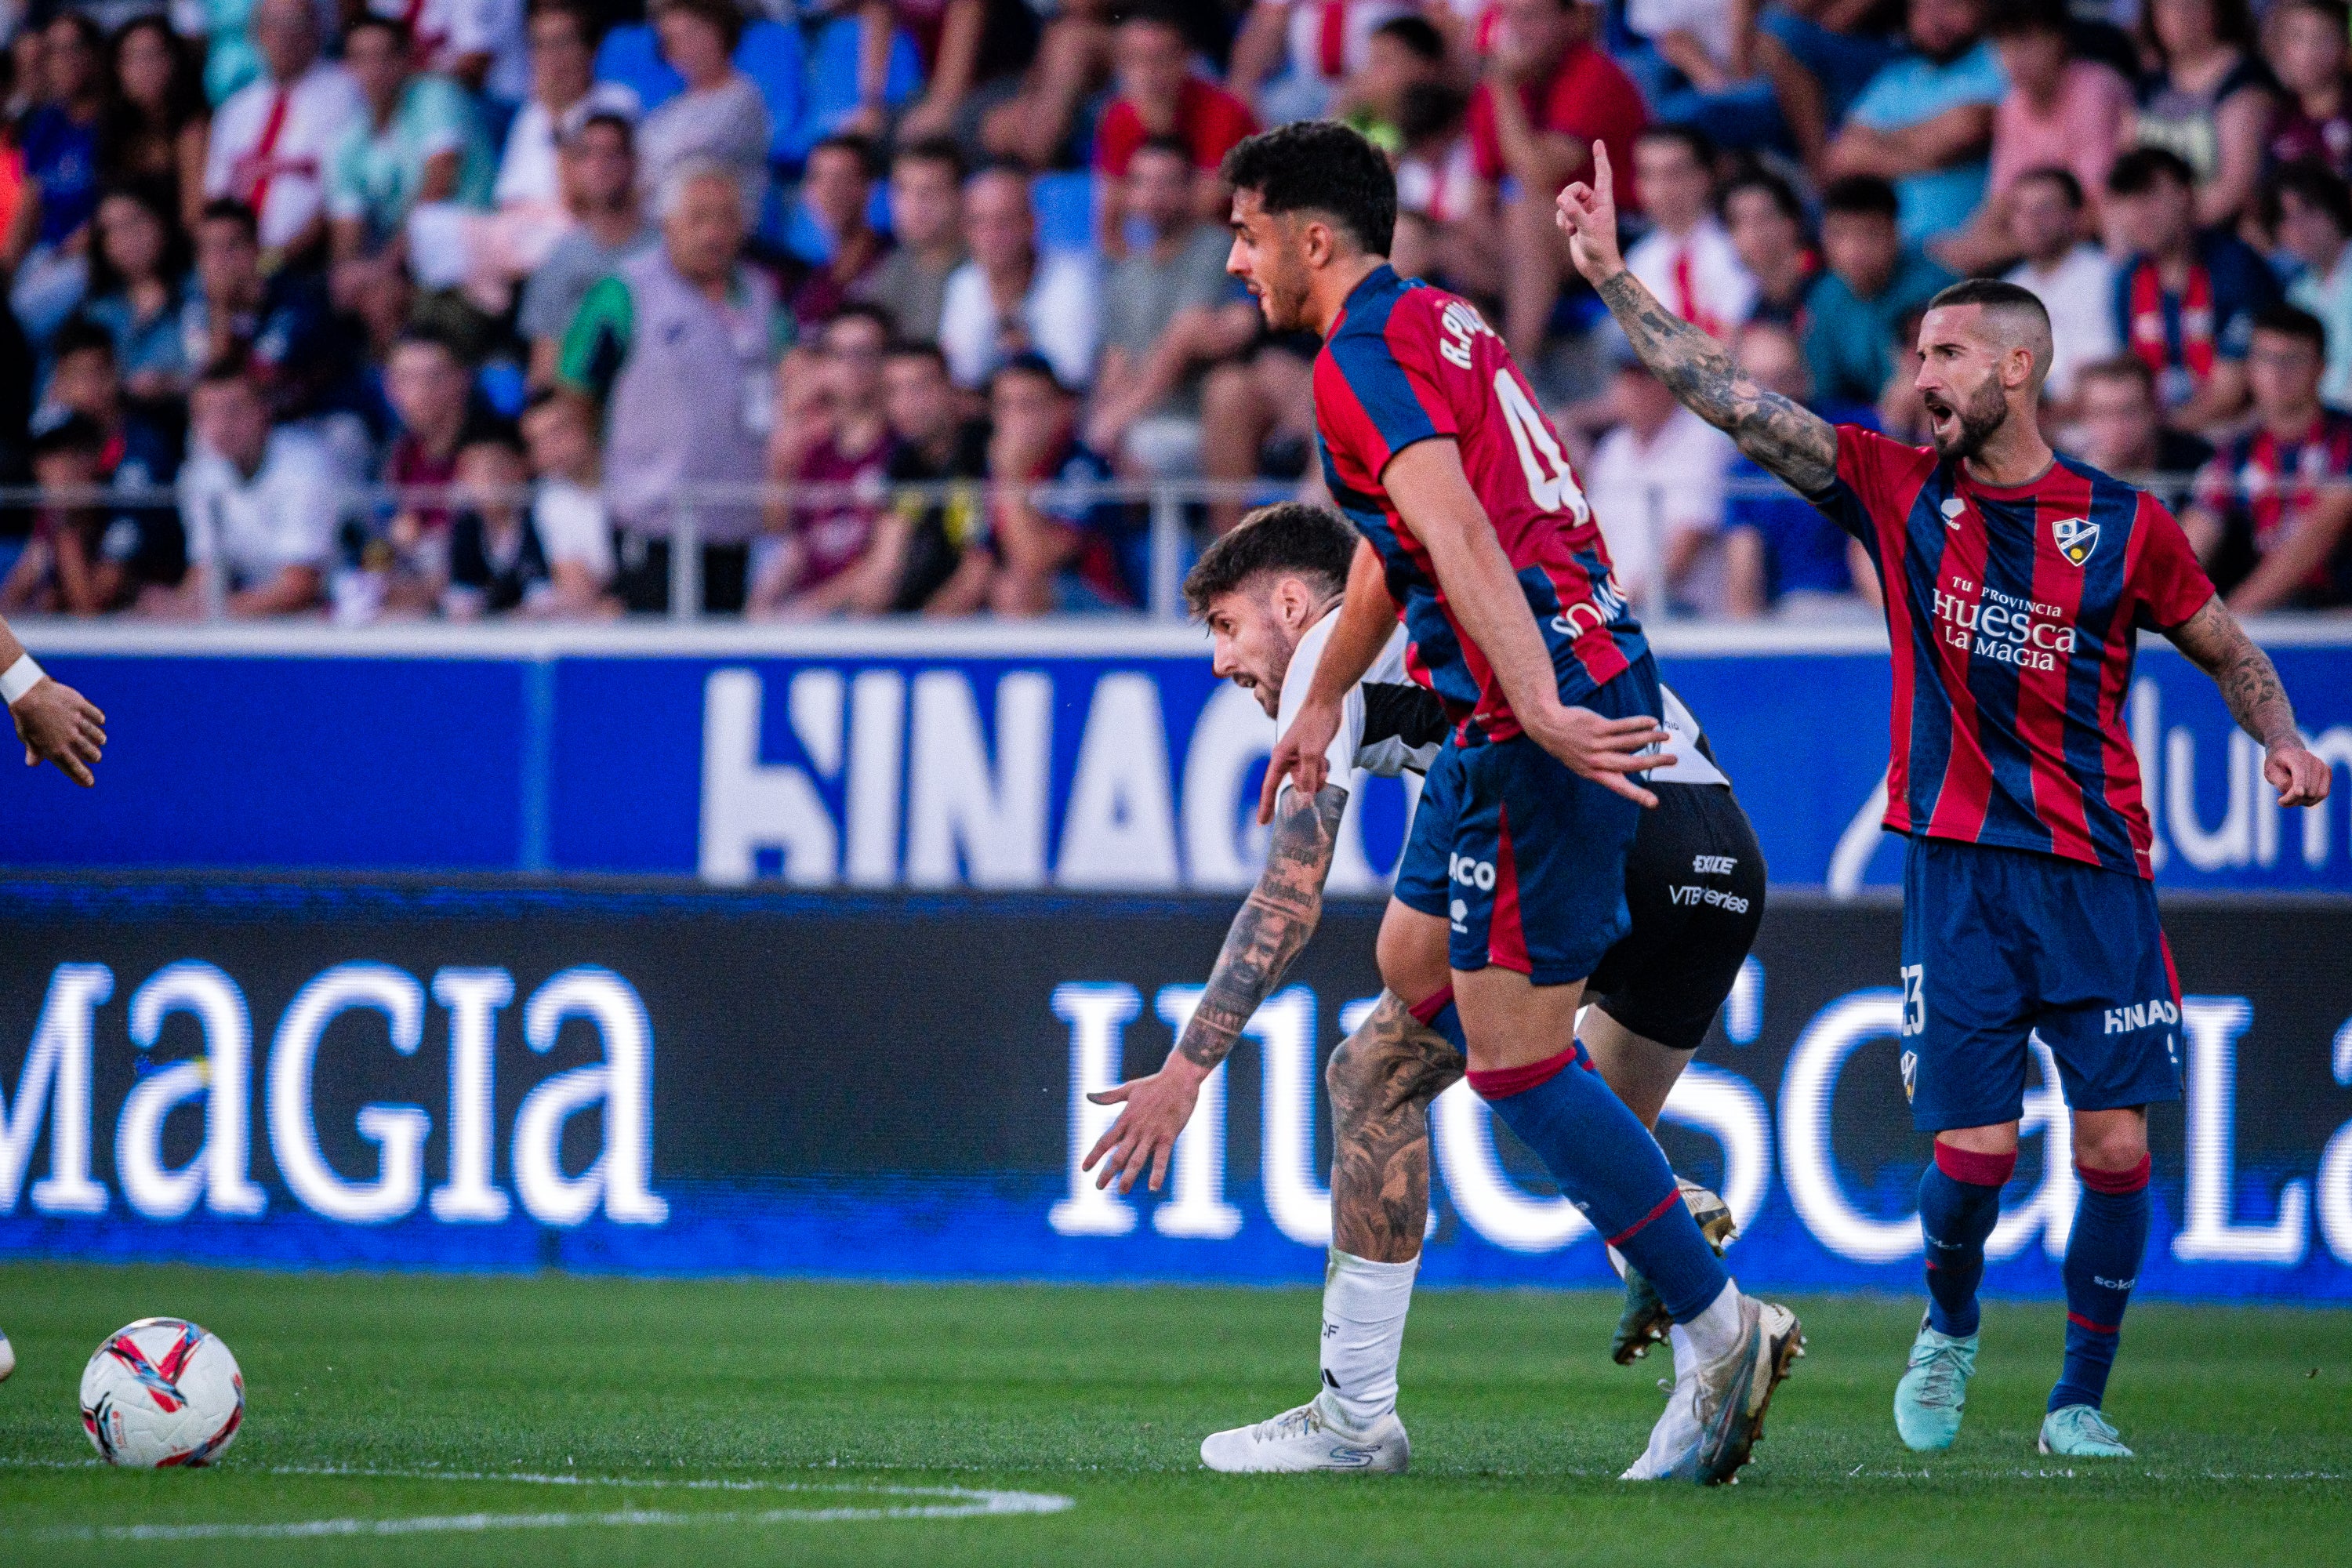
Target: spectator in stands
{"points": [[567, 507], [1169, 313], [259, 506], [1054, 553], [943, 560], [971, 51], [85, 557], [1011, 299], [2121, 429], [2271, 512], [721, 117], [497, 562], [820, 556], [47, 242], [1043, 124], [1707, 63], [2185, 301], [1926, 120], [2310, 210], [141, 443], [1160, 95], [533, 211], [1257, 420], [1779, 554], [1292, 58], [278, 326], [271, 143], [2306, 53], [1546, 95], [479, 43], [2209, 100], [156, 128], [431, 390], [1402, 53], [135, 271], [837, 189], [599, 169], [1874, 279], [1442, 230], [1687, 259], [220, 32], [418, 143], [2071, 276], [1766, 223], [678, 344], [1655, 483], [911, 281], [2064, 111]]}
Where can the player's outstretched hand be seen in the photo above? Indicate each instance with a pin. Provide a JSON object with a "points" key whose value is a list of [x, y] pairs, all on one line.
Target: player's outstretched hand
{"points": [[1603, 750], [1302, 754], [1144, 1136], [1588, 215], [2299, 777], [59, 724]]}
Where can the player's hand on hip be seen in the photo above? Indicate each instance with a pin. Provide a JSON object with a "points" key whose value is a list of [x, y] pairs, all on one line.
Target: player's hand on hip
{"points": [[59, 724], [2300, 777], [1301, 755], [1605, 750], [1587, 214], [1144, 1136]]}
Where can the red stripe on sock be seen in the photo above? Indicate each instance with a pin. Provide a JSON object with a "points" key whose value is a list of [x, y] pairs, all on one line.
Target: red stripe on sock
{"points": [[2080, 1321], [1977, 1170], [1430, 1006], [1673, 1196], [1501, 1083], [2119, 1183]]}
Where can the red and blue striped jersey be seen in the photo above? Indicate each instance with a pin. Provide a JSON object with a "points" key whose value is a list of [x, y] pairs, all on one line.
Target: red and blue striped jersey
{"points": [[1406, 363], [2012, 616]]}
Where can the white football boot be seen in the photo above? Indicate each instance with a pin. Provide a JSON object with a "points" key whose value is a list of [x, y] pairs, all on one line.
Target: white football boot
{"points": [[1674, 1439], [1308, 1438]]}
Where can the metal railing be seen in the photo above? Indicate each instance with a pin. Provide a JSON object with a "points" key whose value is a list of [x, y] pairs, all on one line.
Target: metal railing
{"points": [[1171, 513]]}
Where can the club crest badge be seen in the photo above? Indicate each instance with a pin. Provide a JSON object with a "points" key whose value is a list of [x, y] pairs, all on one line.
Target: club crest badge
{"points": [[1954, 509], [2075, 537]]}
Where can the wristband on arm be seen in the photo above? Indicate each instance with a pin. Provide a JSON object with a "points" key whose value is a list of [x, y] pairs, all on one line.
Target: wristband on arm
{"points": [[18, 678]]}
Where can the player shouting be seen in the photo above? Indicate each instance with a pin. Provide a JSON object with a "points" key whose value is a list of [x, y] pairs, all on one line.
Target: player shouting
{"points": [[1435, 447], [2016, 581], [1271, 594]]}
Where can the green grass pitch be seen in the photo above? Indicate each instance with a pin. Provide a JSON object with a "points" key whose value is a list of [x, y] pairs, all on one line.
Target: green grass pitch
{"points": [[614, 1404]]}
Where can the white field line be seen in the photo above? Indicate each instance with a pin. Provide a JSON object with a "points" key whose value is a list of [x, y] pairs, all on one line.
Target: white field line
{"points": [[950, 1502]]}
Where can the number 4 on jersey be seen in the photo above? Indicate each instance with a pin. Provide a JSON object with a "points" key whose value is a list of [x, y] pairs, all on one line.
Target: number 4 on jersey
{"points": [[1551, 481]]}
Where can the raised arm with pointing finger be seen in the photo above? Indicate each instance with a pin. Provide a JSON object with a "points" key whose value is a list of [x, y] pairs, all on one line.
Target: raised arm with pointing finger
{"points": [[1781, 436]]}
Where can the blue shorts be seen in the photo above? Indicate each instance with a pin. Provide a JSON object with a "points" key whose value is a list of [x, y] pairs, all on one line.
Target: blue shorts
{"points": [[2000, 943], [1524, 860]]}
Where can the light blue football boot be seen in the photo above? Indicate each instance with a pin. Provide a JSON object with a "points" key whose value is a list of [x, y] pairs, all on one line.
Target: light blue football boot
{"points": [[2080, 1432], [1929, 1399]]}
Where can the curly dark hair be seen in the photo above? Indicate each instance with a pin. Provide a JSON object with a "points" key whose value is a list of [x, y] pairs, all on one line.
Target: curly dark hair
{"points": [[1321, 165], [1290, 537]]}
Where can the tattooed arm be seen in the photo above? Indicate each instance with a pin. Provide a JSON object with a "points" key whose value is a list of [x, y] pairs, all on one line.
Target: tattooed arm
{"points": [[1783, 438], [1271, 927], [2218, 646]]}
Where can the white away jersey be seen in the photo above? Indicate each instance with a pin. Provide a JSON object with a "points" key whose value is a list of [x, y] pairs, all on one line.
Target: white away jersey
{"points": [[1391, 724]]}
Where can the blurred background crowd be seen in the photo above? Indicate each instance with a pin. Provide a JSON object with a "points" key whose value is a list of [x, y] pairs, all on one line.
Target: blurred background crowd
{"points": [[369, 309]]}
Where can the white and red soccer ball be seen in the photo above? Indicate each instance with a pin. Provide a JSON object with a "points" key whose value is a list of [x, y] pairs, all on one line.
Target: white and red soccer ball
{"points": [[162, 1393]]}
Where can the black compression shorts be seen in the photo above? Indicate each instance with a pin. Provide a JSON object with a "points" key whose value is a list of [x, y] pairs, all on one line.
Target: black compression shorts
{"points": [[1695, 884]]}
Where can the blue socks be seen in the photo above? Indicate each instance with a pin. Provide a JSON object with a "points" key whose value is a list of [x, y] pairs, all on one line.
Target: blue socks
{"points": [[1959, 1202], [1612, 1169], [2102, 1258]]}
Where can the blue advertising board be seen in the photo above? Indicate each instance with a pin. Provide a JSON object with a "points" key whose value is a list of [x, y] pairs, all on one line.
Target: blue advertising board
{"points": [[1097, 756]]}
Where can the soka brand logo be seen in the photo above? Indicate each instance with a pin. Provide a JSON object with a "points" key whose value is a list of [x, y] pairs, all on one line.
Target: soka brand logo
{"points": [[2075, 537]]}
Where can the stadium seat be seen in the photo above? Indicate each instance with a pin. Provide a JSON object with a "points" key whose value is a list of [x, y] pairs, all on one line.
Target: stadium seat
{"points": [[829, 78], [631, 57], [769, 54], [1066, 210]]}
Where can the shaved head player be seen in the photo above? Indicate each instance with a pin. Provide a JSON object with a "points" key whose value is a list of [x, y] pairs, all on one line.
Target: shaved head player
{"points": [[2016, 583], [1512, 882]]}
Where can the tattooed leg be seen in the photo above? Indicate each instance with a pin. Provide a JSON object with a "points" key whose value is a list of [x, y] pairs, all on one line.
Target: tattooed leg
{"points": [[1381, 1080]]}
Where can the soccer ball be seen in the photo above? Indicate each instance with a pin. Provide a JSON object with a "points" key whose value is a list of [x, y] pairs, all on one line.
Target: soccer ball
{"points": [[161, 1393]]}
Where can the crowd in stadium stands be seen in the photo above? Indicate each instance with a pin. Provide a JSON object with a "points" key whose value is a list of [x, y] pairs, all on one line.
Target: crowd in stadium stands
{"points": [[576, 273]]}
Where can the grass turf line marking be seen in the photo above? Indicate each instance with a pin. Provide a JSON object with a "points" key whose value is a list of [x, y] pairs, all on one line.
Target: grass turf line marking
{"points": [[957, 1502]]}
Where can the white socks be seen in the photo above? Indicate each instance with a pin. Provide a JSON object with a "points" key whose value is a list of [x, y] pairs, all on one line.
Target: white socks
{"points": [[1714, 1332], [1364, 1306]]}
